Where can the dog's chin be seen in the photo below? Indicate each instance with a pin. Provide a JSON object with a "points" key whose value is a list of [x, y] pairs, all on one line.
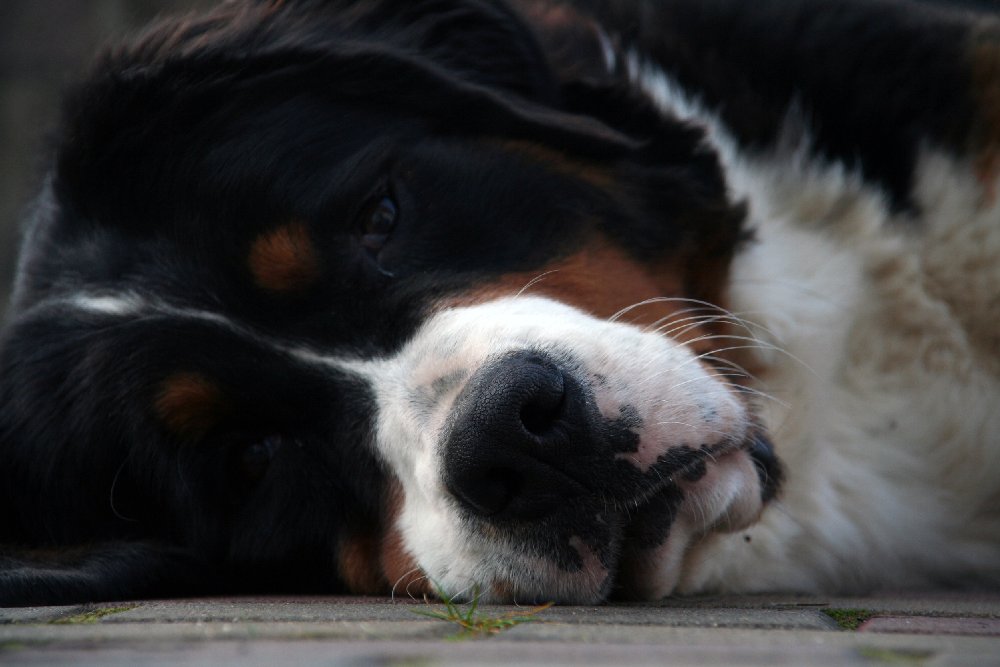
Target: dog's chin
{"points": [[599, 548]]}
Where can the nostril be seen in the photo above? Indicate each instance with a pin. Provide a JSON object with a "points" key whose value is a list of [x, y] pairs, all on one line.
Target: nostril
{"points": [[540, 414], [544, 403], [487, 492]]}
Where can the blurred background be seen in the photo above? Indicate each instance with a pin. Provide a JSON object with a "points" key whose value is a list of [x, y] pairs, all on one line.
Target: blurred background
{"points": [[45, 44]]}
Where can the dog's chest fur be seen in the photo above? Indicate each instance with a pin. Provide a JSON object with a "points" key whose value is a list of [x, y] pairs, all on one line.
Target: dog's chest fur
{"points": [[881, 368]]}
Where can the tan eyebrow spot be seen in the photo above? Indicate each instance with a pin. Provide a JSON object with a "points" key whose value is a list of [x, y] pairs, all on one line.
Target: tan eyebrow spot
{"points": [[190, 404], [284, 259]]}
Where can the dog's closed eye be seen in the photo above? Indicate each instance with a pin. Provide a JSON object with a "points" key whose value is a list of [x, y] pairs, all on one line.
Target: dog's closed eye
{"points": [[378, 222], [251, 460]]}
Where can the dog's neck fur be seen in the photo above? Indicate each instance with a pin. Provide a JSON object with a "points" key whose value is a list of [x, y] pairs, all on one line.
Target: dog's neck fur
{"points": [[875, 347]]}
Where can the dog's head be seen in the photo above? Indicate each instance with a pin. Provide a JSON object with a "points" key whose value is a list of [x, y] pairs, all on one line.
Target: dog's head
{"points": [[375, 295]]}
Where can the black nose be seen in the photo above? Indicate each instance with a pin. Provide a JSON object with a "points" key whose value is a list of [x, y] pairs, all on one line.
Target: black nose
{"points": [[514, 425]]}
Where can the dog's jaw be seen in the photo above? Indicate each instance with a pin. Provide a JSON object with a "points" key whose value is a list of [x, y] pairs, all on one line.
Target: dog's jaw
{"points": [[687, 468]]}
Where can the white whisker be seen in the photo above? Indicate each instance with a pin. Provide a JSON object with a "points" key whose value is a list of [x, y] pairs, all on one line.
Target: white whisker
{"points": [[392, 593], [534, 281], [661, 299]]}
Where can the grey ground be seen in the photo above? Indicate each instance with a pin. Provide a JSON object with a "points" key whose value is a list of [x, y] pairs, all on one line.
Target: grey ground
{"points": [[902, 629]]}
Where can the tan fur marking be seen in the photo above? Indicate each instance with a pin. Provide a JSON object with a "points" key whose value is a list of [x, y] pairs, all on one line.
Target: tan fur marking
{"points": [[372, 564], [284, 259], [398, 565], [358, 564], [400, 568], [602, 280], [190, 404]]}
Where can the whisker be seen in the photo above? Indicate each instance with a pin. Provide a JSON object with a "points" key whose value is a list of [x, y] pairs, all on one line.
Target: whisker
{"points": [[675, 316], [414, 581], [661, 299], [682, 328], [534, 281], [693, 321], [392, 593], [758, 345]]}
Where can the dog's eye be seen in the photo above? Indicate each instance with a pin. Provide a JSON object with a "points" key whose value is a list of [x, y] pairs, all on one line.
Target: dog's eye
{"points": [[253, 460], [378, 223]]}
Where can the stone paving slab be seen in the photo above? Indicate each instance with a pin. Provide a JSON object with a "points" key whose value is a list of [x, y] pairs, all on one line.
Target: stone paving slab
{"points": [[105, 633], [35, 614], [335, 610], [670, 647], [973, 603], [926, 629], [933, 625]]}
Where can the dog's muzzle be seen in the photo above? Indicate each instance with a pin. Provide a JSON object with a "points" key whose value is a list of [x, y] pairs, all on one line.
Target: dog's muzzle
{"points": [[547, 455]]}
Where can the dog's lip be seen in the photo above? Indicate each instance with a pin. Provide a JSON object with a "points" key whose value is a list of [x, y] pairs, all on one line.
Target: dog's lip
{"points": [[661, 479], [667, 487]]}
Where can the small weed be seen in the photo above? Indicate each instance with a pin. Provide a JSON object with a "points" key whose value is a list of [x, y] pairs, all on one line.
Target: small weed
{"points": [[91, 615], [472, 622], [849, 619]]}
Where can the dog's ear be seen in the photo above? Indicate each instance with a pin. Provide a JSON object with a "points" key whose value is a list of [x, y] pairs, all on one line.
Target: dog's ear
{"points": [[102, 572]]}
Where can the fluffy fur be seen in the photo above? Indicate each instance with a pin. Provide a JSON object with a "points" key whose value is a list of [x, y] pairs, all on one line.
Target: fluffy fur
{"points": [[549, 301]]}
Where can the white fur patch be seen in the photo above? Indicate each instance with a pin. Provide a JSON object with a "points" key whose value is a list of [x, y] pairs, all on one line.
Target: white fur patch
{"points": [[885, 412]]}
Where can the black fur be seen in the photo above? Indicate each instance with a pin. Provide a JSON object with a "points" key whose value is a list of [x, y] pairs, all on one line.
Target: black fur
{"points": [[842, 65]]}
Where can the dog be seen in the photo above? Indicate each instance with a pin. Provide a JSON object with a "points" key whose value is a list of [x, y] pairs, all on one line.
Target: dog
{"points": [[538, 301]]}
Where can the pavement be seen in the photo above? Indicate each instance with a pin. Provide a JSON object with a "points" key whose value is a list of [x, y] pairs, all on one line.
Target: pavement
{"points": [[937, 628]]}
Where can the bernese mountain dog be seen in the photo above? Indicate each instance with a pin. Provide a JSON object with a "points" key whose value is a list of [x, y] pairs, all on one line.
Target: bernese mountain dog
{"points": [[524, 301]]}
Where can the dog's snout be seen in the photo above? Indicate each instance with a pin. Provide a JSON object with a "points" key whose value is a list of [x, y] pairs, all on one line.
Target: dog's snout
{"points": [[514, 423]]}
